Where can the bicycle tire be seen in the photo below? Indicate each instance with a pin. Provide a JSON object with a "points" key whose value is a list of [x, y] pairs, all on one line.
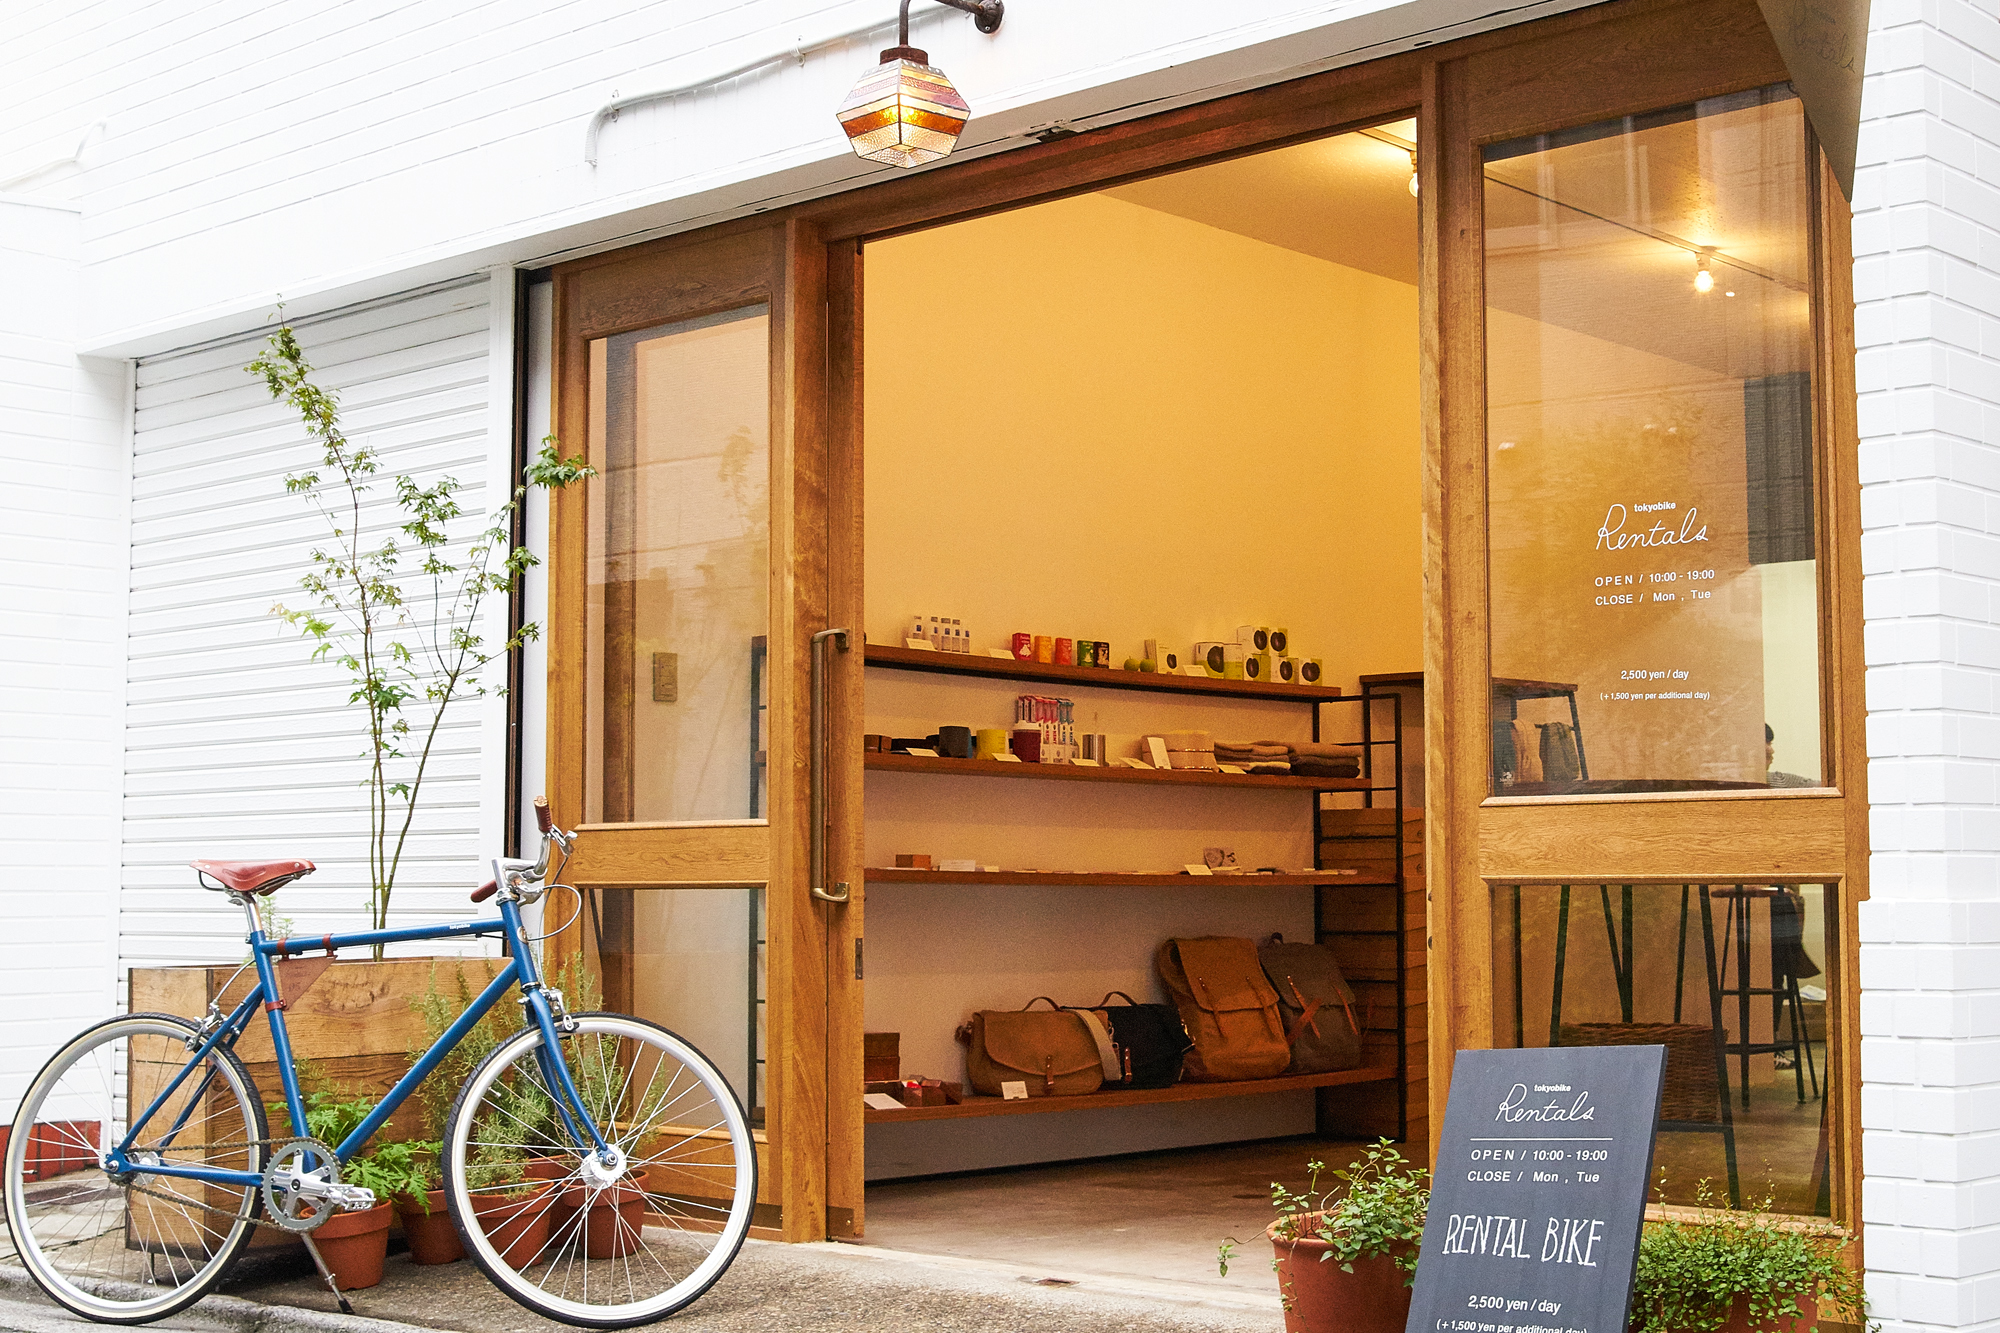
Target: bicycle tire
{"points": [[679, 1213], [106, 1275]]}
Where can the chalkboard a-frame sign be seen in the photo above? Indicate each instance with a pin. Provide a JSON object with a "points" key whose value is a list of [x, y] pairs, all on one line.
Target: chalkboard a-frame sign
{"points": [[1539, 1191]]}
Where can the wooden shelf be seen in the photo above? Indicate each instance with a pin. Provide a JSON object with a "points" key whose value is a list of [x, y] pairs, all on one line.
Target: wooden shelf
{"points": [[884, 762], [997, 668], [1112, 879], [1179, 1092]]}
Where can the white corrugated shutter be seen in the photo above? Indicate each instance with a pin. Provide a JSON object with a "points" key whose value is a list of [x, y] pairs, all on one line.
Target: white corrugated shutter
{"points": [[236, 744]]}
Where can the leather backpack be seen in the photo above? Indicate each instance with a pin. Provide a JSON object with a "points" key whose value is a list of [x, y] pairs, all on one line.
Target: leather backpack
{"points": [[1050, 1050], [1229, 1008], [1139, 1045], [1316, 1003]]}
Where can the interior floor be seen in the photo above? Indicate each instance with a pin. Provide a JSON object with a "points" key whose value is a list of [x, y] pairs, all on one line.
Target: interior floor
{"points": [[1152, 1216]]}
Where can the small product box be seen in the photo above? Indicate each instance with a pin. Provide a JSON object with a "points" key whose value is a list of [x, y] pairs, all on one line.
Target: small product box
{"points": [[881, 1057]]}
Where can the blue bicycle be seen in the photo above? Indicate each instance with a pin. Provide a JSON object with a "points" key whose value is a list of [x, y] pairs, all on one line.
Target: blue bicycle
{"points": [[597, 1167]]}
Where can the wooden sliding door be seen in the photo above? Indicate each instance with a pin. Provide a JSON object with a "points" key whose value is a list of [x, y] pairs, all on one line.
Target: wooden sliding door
{"points": [[688, 582], [1646, 769]]}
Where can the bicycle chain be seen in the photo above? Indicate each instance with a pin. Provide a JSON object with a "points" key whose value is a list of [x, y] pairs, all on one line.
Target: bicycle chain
{"points": [[256, 1219]]}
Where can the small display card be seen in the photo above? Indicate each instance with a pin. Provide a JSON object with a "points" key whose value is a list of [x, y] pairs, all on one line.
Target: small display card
{"points": [[1013, 1092], [880, 1101]]}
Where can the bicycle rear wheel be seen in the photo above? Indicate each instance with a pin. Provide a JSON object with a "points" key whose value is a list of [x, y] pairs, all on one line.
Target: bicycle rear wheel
{"points": [[139, 1247], [572, 1239]]}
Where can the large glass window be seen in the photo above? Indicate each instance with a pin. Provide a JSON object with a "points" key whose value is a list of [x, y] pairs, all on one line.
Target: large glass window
{"points": [[1649, 427], [679, 595], [1733, 979]]}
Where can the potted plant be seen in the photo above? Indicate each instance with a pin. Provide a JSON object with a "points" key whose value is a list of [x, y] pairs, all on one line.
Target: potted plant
{"points": [[1346, 1255], [409, 1179], [1713, 1269], [512, 1207], [353, 1244]]}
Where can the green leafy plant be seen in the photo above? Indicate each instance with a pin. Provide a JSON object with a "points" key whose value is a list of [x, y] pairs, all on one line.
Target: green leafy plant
{"points": [[407, 659], [438, 1008], [1374, 1207], [408, 1168], [333, 1112], [1693, 1269]]}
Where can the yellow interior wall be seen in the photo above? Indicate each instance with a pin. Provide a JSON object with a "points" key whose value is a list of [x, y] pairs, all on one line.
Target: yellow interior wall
{"points": [[1091, 419]]}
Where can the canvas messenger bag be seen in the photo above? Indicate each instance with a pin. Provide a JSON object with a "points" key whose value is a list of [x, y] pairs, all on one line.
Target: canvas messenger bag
{"points": [[1228, 1006], [1050, 1050]]}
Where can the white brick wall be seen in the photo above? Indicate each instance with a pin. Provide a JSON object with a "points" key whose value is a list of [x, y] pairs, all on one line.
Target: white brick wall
{"points": [[1927, 287], [332, 150], [62, 602]]}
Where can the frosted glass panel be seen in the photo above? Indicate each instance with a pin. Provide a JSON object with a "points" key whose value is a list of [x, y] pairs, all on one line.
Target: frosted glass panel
{"points": [[679, 564], [1649, 427]]}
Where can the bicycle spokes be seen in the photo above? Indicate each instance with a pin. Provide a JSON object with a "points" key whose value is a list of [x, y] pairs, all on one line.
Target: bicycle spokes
{"points": [[574, 1235], [132, 1244]]}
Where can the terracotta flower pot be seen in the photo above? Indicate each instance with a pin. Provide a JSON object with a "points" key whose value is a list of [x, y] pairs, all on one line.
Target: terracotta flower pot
{"points": [[354, 1246], [611, 1217], [560, 1212], [1323, 1297], [433, 1239], [516, 1225]]}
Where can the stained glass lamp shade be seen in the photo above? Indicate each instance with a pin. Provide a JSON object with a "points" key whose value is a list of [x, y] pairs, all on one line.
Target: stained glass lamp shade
{"points": [[903, 112]]}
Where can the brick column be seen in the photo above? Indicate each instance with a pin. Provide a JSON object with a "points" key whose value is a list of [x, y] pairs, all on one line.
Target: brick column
{"points": [[1927, 288]]}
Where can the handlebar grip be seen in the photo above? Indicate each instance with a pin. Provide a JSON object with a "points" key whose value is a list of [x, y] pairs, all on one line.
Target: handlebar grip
{"points": [[485, 891], [543, 819]]}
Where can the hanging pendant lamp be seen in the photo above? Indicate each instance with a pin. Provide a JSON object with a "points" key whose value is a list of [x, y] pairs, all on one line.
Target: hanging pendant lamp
{"points": [[905, 112]]}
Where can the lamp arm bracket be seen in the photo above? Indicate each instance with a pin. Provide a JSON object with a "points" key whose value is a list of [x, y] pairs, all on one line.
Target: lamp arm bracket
{"points": [[986, 17]]}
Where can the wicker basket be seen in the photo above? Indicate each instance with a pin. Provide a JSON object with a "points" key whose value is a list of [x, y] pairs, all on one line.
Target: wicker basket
{"points": [[1690, 1093]]}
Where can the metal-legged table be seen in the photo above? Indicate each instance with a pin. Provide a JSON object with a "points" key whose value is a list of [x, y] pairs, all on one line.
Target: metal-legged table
{"points": [[1621, 966]]}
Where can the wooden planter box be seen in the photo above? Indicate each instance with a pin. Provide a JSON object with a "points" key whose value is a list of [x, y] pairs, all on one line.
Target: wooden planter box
{"points": [[355, 1024]]}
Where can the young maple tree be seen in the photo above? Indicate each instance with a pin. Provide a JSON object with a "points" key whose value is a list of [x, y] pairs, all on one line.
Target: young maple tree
{"points": [[408, 659]]}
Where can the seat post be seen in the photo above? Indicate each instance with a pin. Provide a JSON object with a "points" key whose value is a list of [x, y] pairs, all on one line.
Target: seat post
{"points": [[248, 904]]}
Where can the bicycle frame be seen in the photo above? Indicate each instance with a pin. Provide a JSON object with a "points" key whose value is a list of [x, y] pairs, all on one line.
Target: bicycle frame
{"points": [[266, 953]]}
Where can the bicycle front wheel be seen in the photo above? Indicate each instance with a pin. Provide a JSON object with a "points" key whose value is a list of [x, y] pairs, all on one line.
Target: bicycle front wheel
{"points": [[575, 1239], [131, 1248]]}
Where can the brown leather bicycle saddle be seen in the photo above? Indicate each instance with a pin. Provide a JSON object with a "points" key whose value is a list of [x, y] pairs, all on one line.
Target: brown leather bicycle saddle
{"points": [[258, 877]]}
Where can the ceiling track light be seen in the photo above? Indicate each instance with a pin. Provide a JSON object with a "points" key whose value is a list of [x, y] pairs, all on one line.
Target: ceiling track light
{"points": [[905, 112]]}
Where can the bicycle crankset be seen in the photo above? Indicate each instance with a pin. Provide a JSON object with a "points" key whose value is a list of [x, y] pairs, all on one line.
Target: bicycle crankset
{"points": [[302, 1187]]}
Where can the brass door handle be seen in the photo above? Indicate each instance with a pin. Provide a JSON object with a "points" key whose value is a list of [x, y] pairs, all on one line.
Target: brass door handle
{"points": [[817, 770]]}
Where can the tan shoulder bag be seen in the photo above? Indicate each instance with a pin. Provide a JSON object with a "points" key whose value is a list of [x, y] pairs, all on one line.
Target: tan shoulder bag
{"points": [[1052, 1051]]}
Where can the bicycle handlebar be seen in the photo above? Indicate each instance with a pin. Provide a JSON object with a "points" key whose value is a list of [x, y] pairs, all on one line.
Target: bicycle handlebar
{"points": [[545, 821]]}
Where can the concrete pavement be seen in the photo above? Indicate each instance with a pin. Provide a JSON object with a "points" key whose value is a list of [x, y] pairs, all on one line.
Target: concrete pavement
{"points": [[835, 1288]]}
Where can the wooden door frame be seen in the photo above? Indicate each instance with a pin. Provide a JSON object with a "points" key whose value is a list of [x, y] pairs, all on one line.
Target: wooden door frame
{"points": [[1610, 59], [773, 262], [1629, 59]]}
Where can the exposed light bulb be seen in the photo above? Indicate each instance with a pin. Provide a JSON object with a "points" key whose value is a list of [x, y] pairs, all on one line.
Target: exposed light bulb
{"points": [[1704, 281], [1413, 174]]}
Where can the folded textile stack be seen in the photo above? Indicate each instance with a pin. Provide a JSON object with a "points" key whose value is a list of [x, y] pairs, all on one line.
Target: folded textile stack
{"points": [[1316, 759], [1255, 756], [1190, 749]]}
